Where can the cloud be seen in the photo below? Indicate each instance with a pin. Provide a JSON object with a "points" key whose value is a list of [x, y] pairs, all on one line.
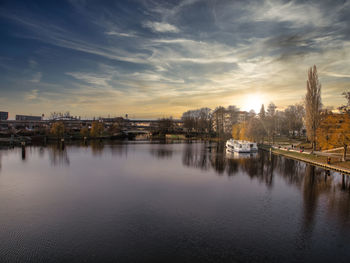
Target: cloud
{"points": [[117, 63], [337, 75], [298, 14], [120, 34], [99, 80], [32, 95], [161, 27], [36, 77], [32, 63]]}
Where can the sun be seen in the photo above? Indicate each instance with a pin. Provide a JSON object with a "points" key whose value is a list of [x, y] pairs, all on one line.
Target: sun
{"points": [[253, 102]]}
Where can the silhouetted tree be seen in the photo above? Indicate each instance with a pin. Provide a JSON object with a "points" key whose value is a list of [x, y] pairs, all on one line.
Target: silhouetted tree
{"points": [[165, 125], [313, 105]]}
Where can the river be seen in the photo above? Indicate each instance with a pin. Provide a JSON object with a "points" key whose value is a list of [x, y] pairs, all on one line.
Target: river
{"points": [[168, 202]]}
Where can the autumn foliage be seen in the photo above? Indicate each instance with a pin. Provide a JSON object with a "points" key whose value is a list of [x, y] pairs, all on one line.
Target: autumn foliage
{"points": [[97, 129], [334, 131], [239, 131], [57, 129]]}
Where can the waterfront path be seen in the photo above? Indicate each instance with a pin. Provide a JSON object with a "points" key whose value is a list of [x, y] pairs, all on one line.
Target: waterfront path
{"points": [[316, 158]]}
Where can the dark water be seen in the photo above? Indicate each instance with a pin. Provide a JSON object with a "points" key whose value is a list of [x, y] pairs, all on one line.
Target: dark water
{"points": [[142, 202]]}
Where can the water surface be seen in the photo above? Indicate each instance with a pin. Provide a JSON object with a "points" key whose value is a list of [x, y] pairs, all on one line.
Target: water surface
{"points": [[179, 202]]}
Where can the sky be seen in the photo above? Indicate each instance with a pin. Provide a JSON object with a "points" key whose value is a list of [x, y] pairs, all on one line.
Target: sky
{"points": [[153, 59]]}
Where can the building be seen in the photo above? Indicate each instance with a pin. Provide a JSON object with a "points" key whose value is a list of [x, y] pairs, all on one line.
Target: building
{"points": [[242, 116], [4, 115], [223, 119], [27, 118]]}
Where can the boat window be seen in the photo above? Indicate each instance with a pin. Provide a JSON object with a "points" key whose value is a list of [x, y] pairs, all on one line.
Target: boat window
{"points": [[240, 146], [251, 146]]}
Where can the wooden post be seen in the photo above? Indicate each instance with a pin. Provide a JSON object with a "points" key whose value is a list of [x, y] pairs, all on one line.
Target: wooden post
{"points": [[62, 143], [23, 144]]}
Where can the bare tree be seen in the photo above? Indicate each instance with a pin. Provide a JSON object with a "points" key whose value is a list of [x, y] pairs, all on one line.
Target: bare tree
{"points": [[313, 105], [218, 120], [198, 120], [346, 108], [262, 112], [270, 121], [294, 118], [165, 125]]}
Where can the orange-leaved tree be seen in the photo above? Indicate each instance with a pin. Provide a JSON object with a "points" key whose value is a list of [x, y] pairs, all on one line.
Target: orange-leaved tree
{"points": [[97, 129], [334, 131], [57, 129], [239, 131]]}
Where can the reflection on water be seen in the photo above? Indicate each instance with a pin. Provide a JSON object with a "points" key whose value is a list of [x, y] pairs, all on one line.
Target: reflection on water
{"points": [[312, 181], [58, 155], [188, 202], [161, 151]]}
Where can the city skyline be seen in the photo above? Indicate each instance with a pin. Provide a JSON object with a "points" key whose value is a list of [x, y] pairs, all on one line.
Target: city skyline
{"points": [[153, 59]]}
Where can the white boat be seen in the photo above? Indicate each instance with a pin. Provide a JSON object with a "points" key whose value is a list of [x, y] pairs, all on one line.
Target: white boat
{"points": [[240, 146]]}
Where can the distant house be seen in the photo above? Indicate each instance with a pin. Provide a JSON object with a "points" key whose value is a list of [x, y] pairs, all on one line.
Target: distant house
{"points": [[4, 115], [27, 118]]}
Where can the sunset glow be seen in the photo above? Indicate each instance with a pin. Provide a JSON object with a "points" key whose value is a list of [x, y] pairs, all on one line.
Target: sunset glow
{"points": [[151, 59], [253, 102]]}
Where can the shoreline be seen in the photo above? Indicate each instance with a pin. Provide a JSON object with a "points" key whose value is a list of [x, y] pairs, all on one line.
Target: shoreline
{"points": [[42, 139], [319, 161]]}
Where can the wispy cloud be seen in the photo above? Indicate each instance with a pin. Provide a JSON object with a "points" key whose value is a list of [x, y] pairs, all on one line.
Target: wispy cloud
{"points": [[32, 63], [32, 95], [298, 14], [36, 77], [161, 27], [120, 34]]}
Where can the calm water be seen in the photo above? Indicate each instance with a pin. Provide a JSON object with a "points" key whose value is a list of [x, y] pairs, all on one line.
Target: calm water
{"points": [[143, 202]]}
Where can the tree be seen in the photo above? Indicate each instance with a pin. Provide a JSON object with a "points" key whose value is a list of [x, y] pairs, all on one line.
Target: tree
{"points": [[84, 131], [294, 118], [219, 120], [270, 120], [236, 129], [165, 125], [204, 120], [281, 123], [189, 120], [262, 112], [60, 115], [57, 129], [97, 129], [115, 128], [334, 131], [255, 130], [239, 131], [197, 120], [299, 120], [346, 107], [313, 105]]}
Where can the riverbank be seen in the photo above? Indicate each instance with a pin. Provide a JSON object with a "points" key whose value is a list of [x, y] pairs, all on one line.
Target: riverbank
{"points": [[321, 161], [37, 139]]}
